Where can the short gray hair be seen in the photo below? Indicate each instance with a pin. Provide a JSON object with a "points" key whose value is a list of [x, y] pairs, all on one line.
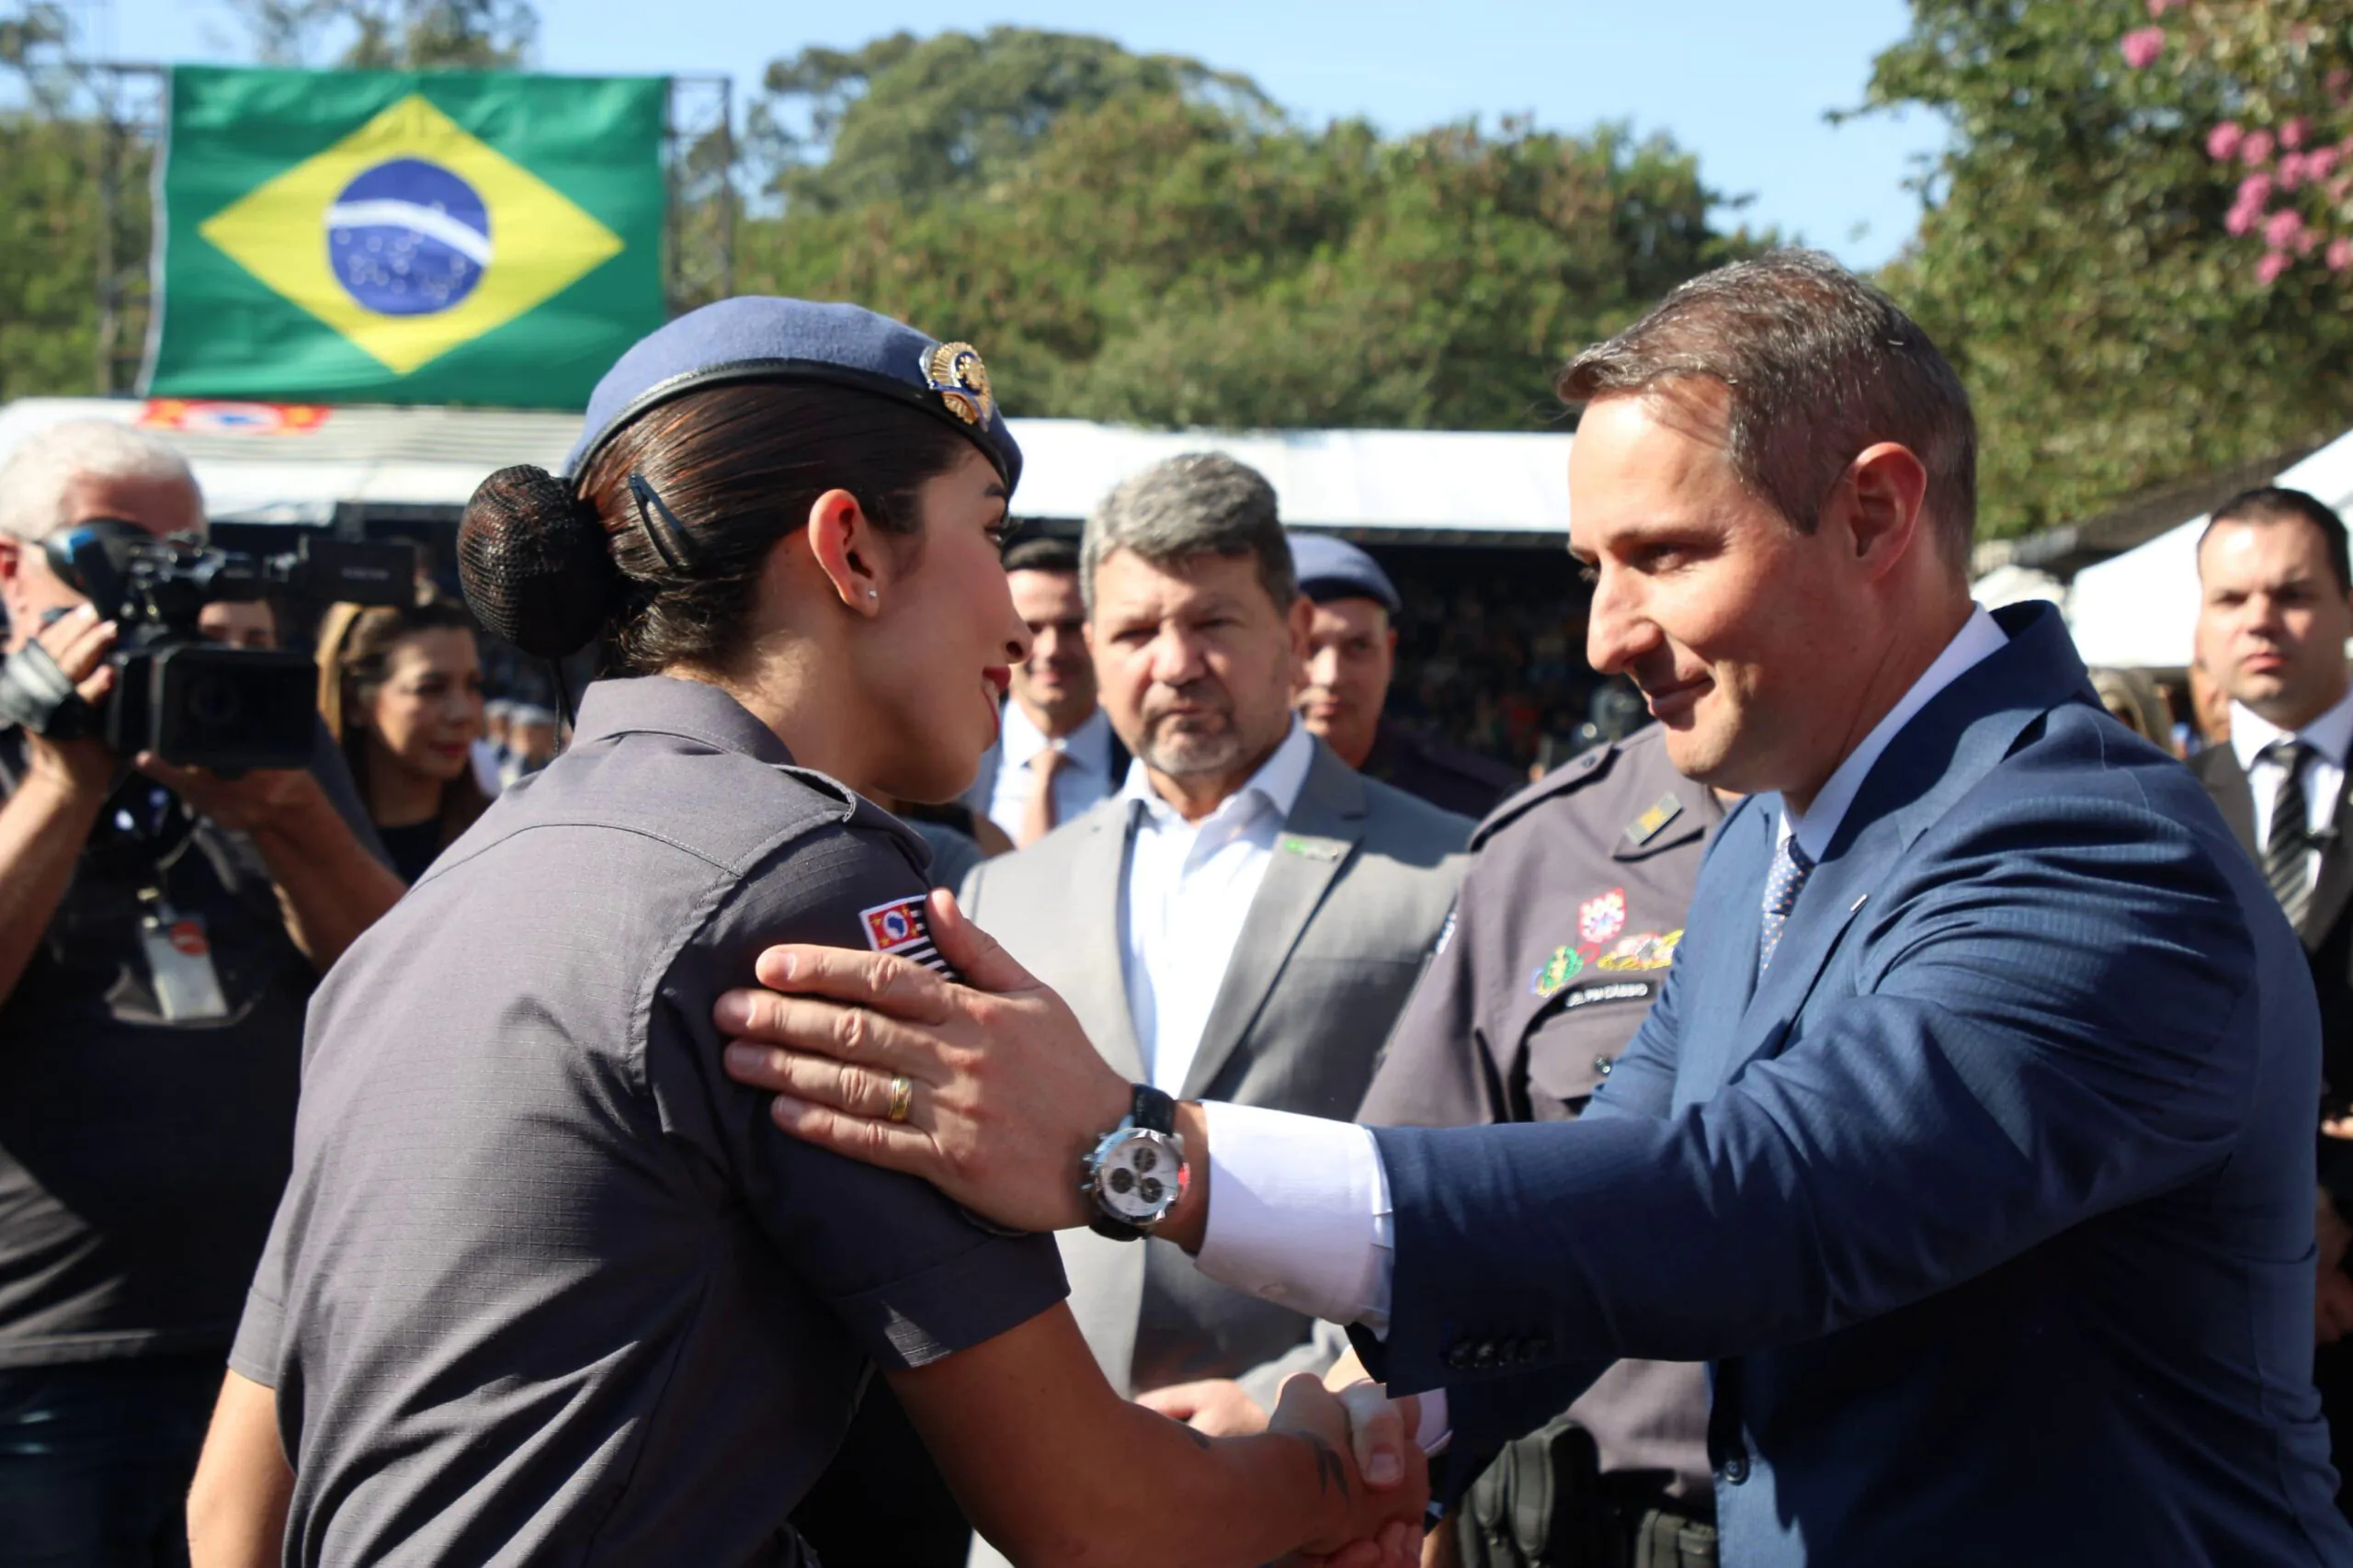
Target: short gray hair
{"points": [[1194, 504], [34, 480], [1819, 365]]}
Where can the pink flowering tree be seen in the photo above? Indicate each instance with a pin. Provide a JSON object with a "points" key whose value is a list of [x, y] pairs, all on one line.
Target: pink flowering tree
{"points": [[2283, 70]]}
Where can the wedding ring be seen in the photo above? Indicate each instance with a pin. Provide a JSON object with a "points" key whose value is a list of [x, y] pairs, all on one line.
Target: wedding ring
{"points": [[903, 1095]]}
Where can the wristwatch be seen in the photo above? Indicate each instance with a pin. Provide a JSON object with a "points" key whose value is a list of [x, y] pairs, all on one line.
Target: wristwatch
{"points": [[1138, 1172]]}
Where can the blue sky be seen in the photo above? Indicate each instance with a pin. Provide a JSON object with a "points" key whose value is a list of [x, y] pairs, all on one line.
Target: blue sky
{"points": [[1742, 84]]}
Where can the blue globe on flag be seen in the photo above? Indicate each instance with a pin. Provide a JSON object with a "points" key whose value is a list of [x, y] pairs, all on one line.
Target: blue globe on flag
{"points": [[408, 238]]}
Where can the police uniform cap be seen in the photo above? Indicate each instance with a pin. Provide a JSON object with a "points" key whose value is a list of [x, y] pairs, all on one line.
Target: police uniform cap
{"points": [[1332, 568], [537, 568], [763, 338]]}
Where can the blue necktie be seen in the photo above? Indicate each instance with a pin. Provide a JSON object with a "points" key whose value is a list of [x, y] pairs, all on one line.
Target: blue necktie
{"points": [[1790, 869]]}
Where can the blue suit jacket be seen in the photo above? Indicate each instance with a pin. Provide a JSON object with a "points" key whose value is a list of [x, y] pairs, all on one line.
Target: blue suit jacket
{"points": [[1992, 1204]]}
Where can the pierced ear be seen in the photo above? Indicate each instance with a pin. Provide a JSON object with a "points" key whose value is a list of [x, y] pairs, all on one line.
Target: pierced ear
{"points": [[841, 540]]}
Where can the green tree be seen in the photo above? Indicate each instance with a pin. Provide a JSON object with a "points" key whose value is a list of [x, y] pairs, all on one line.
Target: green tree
{"points": [[2074, 260], [1171, 255], [389, 35], [904, 119]]}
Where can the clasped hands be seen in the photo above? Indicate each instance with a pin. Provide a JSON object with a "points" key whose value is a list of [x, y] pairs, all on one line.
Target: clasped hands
{"points": [[1007, 1096]]}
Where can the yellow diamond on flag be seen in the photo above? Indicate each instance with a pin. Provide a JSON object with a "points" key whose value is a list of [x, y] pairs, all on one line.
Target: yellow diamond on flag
{"points": [[410, 236]]}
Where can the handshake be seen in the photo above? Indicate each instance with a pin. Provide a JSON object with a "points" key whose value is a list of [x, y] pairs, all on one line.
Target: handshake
{"points": [[1384, 1478]]}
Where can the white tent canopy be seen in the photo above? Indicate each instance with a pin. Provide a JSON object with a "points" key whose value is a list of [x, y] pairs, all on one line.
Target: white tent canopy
{"points": [[260, 463], [2140, 610]]}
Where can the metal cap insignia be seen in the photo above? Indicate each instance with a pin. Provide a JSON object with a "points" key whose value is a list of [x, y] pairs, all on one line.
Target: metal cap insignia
{"points": [[954, 370]]}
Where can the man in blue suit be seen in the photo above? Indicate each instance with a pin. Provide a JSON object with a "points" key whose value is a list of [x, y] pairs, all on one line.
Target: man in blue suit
{"points": [[1970, 1139]]}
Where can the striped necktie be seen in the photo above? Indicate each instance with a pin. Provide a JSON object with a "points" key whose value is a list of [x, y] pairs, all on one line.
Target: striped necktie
{"points": [[2288, 849], [1790, 869]]}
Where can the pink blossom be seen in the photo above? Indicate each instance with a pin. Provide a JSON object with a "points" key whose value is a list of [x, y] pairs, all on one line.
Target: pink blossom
{"points": [[2223, 141], [2291, 170], [2255, 191], [2340, 253], [2256, 150], [2292, 133], [2339, 81], [2157, 8], [2267, 270], [2283, 228], [2320, 162], [2243, 218], [2143, 46]]}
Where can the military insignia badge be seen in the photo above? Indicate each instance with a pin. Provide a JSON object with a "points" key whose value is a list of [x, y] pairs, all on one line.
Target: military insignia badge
{"points": [[1599, 919], [1644, 950], [1651, 823], [954, 370], [899, 929], [1564, 965]]}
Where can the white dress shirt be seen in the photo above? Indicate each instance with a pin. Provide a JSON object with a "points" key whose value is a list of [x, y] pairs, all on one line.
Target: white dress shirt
{"points": [[1299, 1207], [1084, 779], [1189, 888], [2330, 736]]}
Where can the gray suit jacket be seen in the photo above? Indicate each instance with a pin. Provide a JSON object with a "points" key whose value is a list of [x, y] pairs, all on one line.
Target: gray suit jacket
{"points": [[1359, 884]]}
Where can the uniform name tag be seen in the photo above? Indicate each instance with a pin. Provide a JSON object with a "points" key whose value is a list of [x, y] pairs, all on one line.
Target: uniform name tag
{"points": [[179, 962], [1611, 991]]}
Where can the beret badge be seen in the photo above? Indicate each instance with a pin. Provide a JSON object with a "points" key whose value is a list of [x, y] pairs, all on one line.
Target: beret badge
{"points": [[954, 370]]}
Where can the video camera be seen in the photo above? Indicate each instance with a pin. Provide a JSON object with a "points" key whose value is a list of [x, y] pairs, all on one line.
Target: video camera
{"points": [[193, 702]]}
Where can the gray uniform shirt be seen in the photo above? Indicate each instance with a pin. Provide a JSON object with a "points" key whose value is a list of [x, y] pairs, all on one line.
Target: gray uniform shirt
{"points": [[1568, 922], [546, 1286]]}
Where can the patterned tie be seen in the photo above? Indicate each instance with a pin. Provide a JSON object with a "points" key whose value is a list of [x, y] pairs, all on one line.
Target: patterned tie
{"points": [[2286, 852], [1038, 814], [1790, 869]]}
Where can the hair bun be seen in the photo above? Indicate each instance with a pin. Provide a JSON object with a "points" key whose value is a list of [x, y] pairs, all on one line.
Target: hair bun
{"points": [[535, 567]]}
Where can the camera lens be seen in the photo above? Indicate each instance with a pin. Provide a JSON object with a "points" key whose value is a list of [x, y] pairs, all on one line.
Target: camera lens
{"points": [[213, 699]]}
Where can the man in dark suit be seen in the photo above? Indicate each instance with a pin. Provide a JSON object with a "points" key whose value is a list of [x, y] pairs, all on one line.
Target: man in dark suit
{"points": [[2275, 608], [1970, 1142]]}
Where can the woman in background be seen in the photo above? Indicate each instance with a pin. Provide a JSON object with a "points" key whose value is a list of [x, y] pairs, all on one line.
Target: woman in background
{"points": [[401, 690]]}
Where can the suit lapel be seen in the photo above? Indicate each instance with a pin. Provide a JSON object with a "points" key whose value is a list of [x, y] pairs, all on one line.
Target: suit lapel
{"points": [[1099, 887], [1316, 840], [2334, 886], [1964, 732], [2226, 785]]}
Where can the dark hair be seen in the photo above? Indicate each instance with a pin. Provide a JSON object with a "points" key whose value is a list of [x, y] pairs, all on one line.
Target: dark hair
{"points": [[356, 642], [1042, 552], [549, 566], [1818, 365], [1192, 504], [2276, 504]]}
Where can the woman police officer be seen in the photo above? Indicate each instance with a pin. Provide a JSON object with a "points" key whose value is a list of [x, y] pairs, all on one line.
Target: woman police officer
{"points": [[546, 1286]]}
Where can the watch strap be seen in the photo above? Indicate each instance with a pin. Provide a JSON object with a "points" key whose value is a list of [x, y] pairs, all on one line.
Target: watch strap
{"points": [[1154, 1110]]}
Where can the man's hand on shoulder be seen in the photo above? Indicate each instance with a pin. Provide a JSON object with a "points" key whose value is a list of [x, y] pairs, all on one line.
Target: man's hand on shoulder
{"points": [[1004, 1094]]}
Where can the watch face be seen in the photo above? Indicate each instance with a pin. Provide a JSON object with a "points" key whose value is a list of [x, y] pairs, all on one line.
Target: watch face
{"points": [[1139, 1177]]}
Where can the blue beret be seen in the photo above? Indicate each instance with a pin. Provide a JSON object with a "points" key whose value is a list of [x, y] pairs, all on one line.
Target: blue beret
{"points": [[759, 338], [1332, 568]]}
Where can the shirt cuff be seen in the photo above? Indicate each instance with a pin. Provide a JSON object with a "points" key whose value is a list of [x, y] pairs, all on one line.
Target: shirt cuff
{"points": [[1299, 1214], [1433, 1431]]}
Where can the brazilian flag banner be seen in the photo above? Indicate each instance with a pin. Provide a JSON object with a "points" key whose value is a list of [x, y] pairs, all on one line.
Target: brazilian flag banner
{"points": [[382, 236]]}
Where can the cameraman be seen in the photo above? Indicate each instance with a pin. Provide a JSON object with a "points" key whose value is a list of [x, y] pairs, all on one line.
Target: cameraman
{"points": [[160, 932]]}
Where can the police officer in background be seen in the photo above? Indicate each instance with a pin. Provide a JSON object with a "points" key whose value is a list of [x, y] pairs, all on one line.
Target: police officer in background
{"points": [[1568, 921], [1352, 655]]}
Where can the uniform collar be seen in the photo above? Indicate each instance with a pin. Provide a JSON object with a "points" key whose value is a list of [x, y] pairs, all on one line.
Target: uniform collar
{"points": [[2331, 734], [667, 705]]}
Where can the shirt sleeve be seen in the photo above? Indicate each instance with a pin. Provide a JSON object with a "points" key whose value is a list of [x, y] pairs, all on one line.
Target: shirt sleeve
{"points": [[253, 1355], [1298, 1214], [909, 1275]]}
